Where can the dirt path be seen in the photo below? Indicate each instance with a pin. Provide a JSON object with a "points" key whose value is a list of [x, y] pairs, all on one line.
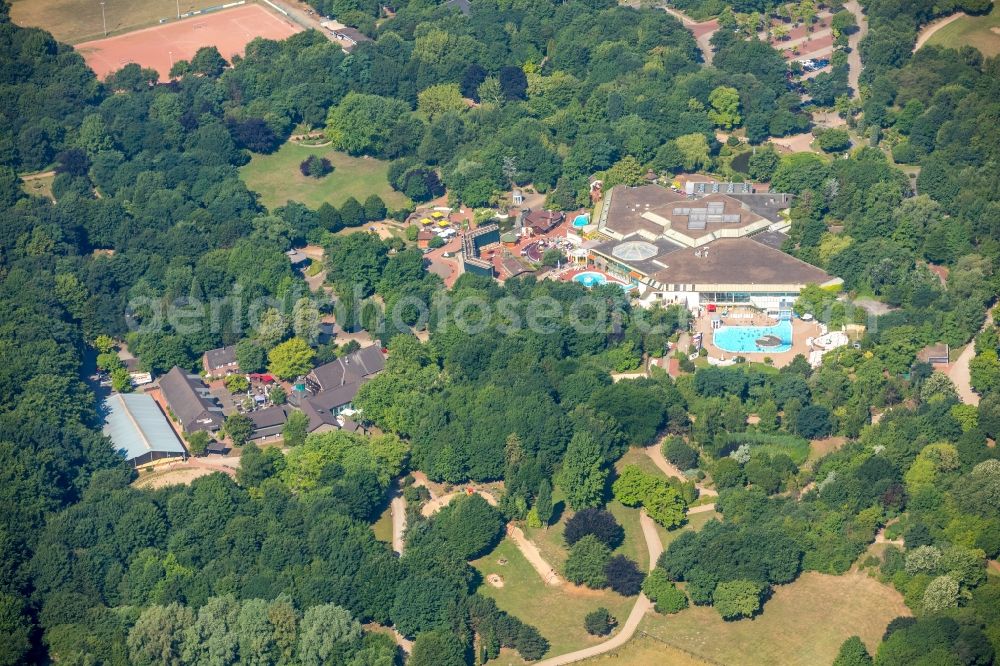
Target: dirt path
{"points": [[656, 455], [37, 176], [639, 610], [701, 508], [531, 553], [796, 143], [880, 537], [527, 547], [397, 507], [959, 372], [854, 57], [928, 30], [184, 472]]}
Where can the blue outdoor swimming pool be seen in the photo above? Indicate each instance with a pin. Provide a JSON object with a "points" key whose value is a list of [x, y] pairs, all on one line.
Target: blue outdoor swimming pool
{"points": [[589, 279], [743, 339], [581, 220]]}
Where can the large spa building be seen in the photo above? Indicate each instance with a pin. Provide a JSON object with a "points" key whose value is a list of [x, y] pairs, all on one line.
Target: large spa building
{"points": [[713, 243]]}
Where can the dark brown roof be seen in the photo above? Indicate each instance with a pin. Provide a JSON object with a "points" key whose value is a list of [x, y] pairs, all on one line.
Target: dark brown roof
{"points": [[542, 220], [652, 209], [738, 261], [627, 204], [269, 416], [349, 369], [221, 357], [188, 400], [322, 407]]}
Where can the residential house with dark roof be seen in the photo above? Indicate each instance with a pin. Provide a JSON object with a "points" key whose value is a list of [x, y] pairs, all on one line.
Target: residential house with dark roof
{"points": [[349, 369], [268, 422], [334, 385], [190, 402], [221, 361]]}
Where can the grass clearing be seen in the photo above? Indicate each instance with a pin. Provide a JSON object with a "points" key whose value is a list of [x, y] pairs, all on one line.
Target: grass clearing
{"points": [[982, 32], [39, 186], [821, 447], [383, 526], [645, 651], [277, 179], [557, 612], [804, 623], [638, 457], [75, 21]]}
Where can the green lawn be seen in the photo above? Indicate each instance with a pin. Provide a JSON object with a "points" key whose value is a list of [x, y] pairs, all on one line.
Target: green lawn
{"points": [[39, 187], [804, 623], [383, 526], [982, 32], [277, 178], [557, 612]]}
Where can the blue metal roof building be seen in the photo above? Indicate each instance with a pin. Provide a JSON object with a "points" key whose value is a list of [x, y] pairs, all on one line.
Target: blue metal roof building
{"points": [[139, 429]]}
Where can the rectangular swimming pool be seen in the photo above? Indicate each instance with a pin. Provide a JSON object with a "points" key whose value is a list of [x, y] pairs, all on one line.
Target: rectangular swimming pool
{"points": [[754, 339]]}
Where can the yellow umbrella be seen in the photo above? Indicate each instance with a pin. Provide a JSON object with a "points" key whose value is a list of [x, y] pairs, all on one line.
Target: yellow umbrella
{"points": [[425, 221], [437, 214], [443, 223]]}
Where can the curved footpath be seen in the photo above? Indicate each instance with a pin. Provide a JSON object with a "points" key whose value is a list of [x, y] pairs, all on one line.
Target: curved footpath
{"points": [[656, 455], [959, 371], [928, 30], [527, 547], [642, 605]]}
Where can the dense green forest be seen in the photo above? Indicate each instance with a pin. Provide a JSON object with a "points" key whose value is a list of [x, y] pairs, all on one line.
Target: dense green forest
{"points": [[280, 564]]}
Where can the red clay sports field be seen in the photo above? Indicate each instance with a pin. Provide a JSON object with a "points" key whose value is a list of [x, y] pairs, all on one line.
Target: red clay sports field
{"points": [[229, 30]]}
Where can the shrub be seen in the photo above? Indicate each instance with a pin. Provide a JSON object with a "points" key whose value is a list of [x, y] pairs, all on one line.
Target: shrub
{"points": [[834, 140], [597, 522], [236, 383], [661, 590], [599, 622], [677, 451], [435, 243], [623, 575], [737, 598], [586, 561], [315, 166]]}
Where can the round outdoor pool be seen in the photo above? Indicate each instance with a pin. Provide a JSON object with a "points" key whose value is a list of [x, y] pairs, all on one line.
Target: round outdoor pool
{"points": [[581, 221], [589, 279]]}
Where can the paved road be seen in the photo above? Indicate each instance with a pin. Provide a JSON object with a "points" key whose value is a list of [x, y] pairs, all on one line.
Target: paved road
{"points": [[656, 455], [639, 610], [854, 57], [959, 372]]}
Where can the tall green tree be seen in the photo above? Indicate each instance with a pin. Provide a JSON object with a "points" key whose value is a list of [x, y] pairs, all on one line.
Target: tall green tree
{"points": [[583, 476]]}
